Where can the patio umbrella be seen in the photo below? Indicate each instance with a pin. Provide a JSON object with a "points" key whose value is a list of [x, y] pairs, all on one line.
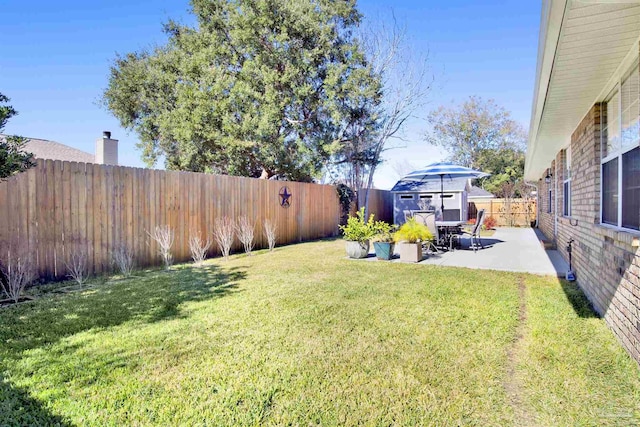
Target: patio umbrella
{"points": [[443, 169]]}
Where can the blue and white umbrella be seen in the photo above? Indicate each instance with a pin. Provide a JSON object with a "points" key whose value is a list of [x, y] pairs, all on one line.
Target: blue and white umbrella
{"points": [[442, 170]]}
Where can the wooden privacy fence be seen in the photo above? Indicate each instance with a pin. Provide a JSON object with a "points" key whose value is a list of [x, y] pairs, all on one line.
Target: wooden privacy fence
{"points": [[59, 207], [507, 213], [380, 204]]}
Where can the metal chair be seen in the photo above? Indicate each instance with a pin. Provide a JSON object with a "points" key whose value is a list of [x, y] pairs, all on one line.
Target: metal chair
{"points": [[475, 231], [429, 219]]}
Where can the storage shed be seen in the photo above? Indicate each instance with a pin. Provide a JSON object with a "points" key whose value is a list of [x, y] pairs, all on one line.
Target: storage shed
{"points": [[425, 195]]}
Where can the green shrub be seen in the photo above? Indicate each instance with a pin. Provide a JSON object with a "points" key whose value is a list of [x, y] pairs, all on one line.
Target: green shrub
{"points": [[383, 232], [412, 231], [357, 229]]}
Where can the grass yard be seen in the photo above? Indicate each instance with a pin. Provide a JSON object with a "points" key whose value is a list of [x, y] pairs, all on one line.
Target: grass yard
{"points": [[303, 336]]}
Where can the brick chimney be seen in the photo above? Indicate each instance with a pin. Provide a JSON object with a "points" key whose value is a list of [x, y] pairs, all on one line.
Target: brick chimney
{"points": [[107, 150]]}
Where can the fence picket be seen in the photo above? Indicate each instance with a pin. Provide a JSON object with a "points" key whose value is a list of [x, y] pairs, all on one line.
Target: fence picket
{"points": [[59, 207]]}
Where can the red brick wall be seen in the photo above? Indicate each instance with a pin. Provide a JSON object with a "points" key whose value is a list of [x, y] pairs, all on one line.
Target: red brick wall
{"points": [[606, 263]]}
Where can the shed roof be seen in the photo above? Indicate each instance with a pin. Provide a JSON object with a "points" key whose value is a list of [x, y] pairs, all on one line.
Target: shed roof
{"points": [[430, 186], [480, 193], [44, 149]]}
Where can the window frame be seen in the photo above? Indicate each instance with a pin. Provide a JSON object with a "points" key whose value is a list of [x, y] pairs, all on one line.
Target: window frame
{"points": [[621, 150], [566, 183]]}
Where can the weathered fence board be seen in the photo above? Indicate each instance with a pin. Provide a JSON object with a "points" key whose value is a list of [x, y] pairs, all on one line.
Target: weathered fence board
{"points": [[58, 208], [507, 213]]}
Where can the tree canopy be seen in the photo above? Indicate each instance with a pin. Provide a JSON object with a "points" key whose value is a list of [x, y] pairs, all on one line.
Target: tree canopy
{"points": [[13, 158], [482, 135], [257, 88]]}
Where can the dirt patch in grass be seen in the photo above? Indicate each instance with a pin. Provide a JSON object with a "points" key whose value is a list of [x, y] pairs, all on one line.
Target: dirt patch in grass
{"points": [[513, 384]]}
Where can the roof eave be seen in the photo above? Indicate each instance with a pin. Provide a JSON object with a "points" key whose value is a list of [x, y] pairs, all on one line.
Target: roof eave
{"points": [[552, 17]]}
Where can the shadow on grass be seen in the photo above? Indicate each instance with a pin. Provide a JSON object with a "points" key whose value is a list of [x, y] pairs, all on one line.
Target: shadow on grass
{"points": [[578, 300], [150, 297], [18, 408]]}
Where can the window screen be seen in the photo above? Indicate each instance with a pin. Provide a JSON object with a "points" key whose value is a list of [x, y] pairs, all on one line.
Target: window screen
{"points": [[610, 192], [631, 189], [566, 201]]}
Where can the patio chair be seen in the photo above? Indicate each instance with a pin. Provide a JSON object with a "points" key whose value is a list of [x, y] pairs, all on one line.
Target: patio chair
{"points": [[429, 219], [475, 231]]}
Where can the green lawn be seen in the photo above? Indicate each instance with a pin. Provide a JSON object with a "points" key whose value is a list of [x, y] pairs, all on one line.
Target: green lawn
{"points": [[304, 336]]}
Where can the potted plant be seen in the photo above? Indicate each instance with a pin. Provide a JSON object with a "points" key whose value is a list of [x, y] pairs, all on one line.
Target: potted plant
{"points": [[410, 236], [383, 242], [357, 233]]}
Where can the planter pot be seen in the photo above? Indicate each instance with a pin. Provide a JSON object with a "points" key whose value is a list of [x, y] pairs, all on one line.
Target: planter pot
{"points": [[410, 252], [357, 249], [384, 250]]}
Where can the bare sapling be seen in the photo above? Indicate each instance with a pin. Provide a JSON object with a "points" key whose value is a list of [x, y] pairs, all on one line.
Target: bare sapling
{"points": [[77, 268], [123, 259], [199, 248], [164, 238], [245, 231], [223, 234], [271, 233], [17, 272]]}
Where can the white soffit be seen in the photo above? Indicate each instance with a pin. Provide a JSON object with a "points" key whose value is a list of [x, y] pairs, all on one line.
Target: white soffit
{"points": [[582, 46]]}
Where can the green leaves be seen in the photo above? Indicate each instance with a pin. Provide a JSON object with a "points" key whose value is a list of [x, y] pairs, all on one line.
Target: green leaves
{"points": [[481, 135], [13, 158], [469, 130], [259, 86], [412, 231], [359, 229]]}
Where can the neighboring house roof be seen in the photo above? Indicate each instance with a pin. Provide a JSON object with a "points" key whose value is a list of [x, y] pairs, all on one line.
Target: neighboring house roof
{"points": [[479, 193], [583, 48], [430, 186], [44, 149]]}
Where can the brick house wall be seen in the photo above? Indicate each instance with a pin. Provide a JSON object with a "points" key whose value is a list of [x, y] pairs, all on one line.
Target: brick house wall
{"points": [[605, 260]]}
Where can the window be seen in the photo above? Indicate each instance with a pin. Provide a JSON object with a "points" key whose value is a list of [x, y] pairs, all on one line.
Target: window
{"points": [[620, 157], [566, 184], [426, 196], [549, 202], [631, 189], [406, 196]]}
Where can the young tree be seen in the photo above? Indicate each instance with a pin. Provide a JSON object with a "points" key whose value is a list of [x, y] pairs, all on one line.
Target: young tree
{"points": [[13, 159], [473, 129], [404, 86], [258, 88], [482, 135], [506, 167]]}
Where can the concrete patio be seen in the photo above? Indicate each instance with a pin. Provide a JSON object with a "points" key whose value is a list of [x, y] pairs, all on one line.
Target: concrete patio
{"points": [[509, 249]]}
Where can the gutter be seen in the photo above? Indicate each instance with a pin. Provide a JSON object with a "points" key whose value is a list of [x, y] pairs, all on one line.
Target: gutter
{"points": [[552, 18]]}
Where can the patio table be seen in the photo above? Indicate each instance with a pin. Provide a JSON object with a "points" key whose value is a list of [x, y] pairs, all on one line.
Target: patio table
{"points": [[449, 230]]}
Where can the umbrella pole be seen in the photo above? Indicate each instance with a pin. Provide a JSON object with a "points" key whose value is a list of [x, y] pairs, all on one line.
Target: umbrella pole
{"points": [[441, 197]]}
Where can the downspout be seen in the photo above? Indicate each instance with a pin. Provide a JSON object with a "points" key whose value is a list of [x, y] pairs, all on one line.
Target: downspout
{"points": [[555, 203]]}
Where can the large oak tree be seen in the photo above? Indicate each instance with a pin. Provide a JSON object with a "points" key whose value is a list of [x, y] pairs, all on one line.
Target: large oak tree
{"points": [[257, 88]]}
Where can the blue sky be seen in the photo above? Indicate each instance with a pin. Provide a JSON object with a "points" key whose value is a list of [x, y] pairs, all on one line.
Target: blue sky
{"points": [[55, 58]]}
